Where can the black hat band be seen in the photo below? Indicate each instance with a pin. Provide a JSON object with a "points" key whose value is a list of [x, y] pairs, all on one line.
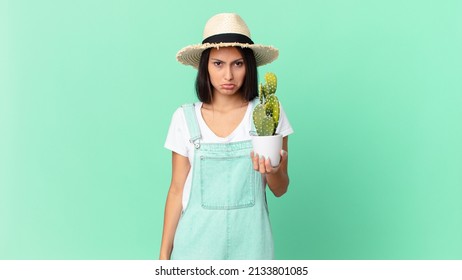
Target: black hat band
{"points": [[228, 38]]}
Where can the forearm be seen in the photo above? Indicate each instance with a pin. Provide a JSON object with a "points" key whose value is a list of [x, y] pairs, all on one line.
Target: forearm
{"points": [[173, 208], [278, 182], [173, 205]]}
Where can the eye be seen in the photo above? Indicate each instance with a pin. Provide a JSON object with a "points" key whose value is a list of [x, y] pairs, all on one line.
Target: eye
{"points": [[239, 63], [217, 63]]}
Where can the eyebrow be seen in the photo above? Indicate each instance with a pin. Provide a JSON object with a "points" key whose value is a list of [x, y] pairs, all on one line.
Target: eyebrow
{"points": [[216, 59]]}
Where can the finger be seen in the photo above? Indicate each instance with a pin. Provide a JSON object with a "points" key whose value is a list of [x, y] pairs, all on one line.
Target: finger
{"points": [[262, 164], [268, 166], [254, 160], [283, 155]]}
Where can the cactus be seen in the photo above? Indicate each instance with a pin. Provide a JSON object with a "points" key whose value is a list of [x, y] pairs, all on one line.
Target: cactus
{"points": [[266, 114]]}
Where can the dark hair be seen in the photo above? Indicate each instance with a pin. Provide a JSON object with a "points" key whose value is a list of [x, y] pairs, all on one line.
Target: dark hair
{"points": [[249, 89]]}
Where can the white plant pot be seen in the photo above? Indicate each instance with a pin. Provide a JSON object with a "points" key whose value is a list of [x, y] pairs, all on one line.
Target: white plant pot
{"points": [[269, 147]]}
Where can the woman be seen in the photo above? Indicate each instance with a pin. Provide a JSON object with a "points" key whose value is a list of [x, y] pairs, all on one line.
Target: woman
{"points": [[216, 206]]}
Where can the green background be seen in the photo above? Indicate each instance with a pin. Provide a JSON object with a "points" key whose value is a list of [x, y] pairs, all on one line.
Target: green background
{"points": [[373, 90]]}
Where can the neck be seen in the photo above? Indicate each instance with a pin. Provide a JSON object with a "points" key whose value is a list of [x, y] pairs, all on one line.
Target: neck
{"points": [[227, 102]]}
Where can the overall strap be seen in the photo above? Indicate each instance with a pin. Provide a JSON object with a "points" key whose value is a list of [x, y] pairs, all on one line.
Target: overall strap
{"points": [[193, 126]]}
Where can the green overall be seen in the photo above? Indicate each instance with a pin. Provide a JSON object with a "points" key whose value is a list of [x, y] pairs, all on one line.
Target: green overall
{"points": [[227, 214]]}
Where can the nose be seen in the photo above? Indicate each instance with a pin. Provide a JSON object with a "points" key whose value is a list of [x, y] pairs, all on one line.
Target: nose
{"points": [[229, 73]]}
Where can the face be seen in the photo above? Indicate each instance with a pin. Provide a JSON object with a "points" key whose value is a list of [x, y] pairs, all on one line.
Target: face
{"points": [[226, 70]]}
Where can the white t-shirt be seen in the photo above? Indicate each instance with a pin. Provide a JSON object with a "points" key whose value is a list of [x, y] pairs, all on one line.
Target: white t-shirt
{"points": [[178, 136]]}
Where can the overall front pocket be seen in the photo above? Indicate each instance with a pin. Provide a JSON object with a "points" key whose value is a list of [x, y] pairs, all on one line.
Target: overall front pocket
{"points": [[227, 182]]}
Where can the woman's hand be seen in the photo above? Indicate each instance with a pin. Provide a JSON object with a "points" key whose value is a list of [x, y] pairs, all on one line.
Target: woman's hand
{"points": [[277, 178], [263, 165]]}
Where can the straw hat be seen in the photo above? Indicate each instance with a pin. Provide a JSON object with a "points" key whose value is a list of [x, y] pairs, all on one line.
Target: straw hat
{"points": [[226, 30]]}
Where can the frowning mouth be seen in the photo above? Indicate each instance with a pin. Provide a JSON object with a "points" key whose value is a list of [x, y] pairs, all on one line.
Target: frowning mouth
{"points": [[228, 86]]}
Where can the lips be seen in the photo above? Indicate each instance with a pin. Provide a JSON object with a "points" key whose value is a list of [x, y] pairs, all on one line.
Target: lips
{"points": [[228, 86]]}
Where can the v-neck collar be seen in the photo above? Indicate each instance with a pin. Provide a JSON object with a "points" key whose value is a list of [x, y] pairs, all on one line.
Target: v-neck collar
{"points": [[230, 136]]}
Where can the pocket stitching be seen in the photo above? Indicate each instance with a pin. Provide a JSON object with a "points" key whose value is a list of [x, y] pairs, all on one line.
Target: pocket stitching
{"points": [[247, 201]]}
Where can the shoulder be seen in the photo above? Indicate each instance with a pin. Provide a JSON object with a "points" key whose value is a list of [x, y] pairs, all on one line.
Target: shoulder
{"points": [[188, 106], [178, 115], [185, 114], [284, 126], [180, 111]]}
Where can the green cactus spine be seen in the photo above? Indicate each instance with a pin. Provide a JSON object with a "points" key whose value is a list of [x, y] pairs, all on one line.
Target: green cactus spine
{"points": [[271, 82], [272, 108], [266, 114], [259, 113]]}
